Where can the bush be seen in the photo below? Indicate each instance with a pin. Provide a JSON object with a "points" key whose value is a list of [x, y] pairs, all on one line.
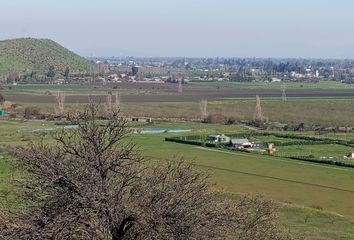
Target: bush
{"points": [[32, 112], [215, 118], [2, 98], [231, 120], [12, 115]]}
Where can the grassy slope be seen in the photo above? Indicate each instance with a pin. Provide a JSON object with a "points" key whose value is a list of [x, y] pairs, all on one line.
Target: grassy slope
{"points": [[27, 54]]}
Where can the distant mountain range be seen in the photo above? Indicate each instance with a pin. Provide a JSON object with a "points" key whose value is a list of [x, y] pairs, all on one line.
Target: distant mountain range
{"points": [[29, 55]]}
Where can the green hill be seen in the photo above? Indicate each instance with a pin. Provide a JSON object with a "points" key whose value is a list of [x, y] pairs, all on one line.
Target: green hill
{"points": [[29, 55]]}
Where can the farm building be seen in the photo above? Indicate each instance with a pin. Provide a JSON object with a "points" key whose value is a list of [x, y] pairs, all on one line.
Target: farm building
{"points": [[59, 81], [218, 138], [240, 143], [258, 145], [144, 120], [2, 113], [350, 156]]}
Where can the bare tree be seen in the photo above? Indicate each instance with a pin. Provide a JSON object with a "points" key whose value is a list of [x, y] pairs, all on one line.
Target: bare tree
{"points": [[60, 98], [109, 104], [258, 115], [180, 87], [2, 98], [93, 184], [203, 108], [117, 99]]}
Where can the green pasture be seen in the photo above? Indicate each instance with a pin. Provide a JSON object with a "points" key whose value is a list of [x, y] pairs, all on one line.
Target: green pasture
{"points": [[320, 151], [314, 199]]}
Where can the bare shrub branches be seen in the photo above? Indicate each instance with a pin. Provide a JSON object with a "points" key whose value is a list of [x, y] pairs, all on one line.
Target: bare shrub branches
{"points": [[60, 98], [117, 99], [258, 115], [203, 109]]}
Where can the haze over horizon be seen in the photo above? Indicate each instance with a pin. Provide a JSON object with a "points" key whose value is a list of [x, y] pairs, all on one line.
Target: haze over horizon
{"points": [[209, 28]]}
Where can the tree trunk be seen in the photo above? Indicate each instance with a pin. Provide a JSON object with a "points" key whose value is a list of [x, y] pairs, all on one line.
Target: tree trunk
{"points": [[119, 232]]}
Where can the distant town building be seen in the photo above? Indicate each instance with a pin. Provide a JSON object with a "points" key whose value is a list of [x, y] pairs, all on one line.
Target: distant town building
{"points": [[135, 70]]}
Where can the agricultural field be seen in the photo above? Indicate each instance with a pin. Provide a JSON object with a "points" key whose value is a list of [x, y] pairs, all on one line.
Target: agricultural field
{"points": [[313, 199], [313, 107], [277, 85], [321, 151]]}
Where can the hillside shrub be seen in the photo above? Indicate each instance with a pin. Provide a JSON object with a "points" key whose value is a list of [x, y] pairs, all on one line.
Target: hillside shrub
{"points": [[2, 98], [215, 118], [31, 112]]}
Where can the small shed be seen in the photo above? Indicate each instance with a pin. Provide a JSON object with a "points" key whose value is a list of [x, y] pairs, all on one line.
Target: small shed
{"points": [[2, 112], [136, 119]]}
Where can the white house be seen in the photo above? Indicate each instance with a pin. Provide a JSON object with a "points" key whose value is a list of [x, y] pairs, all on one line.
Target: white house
{"points": [[218, 138]]}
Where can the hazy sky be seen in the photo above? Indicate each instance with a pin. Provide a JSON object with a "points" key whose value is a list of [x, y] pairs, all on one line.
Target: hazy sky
{"points": [[236, 28]]}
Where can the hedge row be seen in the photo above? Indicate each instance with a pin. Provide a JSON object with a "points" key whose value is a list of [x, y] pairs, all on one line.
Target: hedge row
{"points": [[283, 144], [328, 162], [307, 140], [191, 142]]}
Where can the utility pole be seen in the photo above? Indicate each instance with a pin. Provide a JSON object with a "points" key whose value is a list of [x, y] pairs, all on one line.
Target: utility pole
{"points": [[283, 95], [180, 88], [258, 115]]}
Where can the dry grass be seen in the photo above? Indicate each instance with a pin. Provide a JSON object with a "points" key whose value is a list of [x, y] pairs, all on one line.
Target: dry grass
{"points": [[312, 112]]}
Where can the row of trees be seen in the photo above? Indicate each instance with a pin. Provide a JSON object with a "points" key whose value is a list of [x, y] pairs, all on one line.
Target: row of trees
{"points": [[93, 183], [34, 76], [218, 118]]}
